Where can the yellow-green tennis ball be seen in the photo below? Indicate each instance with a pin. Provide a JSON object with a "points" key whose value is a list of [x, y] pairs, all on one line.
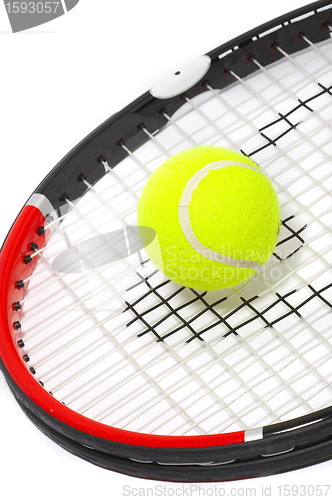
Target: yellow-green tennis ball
{"points": [[216, 216]]}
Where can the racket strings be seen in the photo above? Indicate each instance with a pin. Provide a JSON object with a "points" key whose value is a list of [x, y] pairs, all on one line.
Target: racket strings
{"points": [[83, 411], [57, 221], [99, 324], [273, 142], [223, 319], [237, 418], [180, 129], [243, 102], [131, 361], [286, 384], [327, 176], [215, 356]]}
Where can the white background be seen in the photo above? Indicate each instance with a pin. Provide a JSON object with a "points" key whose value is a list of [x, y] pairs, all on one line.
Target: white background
{"points": [[58, 82]]}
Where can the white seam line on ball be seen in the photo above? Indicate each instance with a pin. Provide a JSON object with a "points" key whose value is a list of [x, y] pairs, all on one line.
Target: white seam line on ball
{"points": [[185, 220]]}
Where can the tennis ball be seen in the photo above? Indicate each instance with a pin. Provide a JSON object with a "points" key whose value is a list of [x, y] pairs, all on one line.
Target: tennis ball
{"points": [[216, 216]]}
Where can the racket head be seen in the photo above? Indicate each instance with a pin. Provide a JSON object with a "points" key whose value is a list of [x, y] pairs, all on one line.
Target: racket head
{"points": [[92, 173]]}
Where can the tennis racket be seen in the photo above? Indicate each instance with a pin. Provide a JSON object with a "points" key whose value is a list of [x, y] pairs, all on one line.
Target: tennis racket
{"points": [[137, 374]]}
